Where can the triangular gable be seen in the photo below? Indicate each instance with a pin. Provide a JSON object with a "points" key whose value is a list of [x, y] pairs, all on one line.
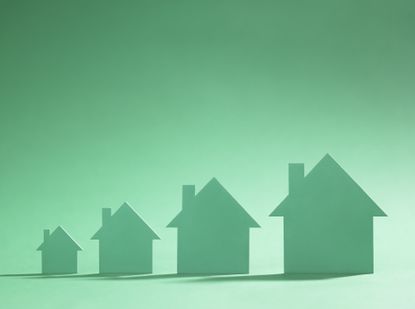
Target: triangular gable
{"points": [[211, 203], [59, 239], [328, 179], [126, 220]]}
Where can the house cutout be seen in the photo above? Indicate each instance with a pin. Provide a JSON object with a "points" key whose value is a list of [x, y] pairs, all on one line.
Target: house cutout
{"points": [[59, 252], [328, 221], [213, 232], [125, 242]]}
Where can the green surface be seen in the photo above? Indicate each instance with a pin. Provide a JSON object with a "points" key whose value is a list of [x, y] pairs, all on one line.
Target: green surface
{"points": [[104, 102]]}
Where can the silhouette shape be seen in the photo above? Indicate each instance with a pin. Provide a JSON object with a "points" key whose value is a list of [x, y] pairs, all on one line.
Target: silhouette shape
{"points": [[213, 232], [328, 221], [125, 243], [59, 252]]}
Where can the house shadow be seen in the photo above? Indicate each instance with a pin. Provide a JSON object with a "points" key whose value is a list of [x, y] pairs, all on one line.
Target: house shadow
{"points": [[275, 277], [192, 277], [21, 275], [179, 277], [105, 276], [49, 276], [138, 276]]}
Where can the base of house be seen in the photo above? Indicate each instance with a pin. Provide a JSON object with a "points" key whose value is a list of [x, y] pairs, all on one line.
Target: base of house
{"points": [[124, 273], [51, 273], [211, 273], [322, 275]]}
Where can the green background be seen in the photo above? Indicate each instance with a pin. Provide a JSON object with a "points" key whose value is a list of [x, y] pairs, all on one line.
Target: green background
{"points": [[103, 102]]}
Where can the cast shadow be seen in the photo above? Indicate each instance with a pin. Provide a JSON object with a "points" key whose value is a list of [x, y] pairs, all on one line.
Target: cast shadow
{"points": [[98, 276], [21, 275], [276, 277], [192, 277], [49, 276], [155, 277]]}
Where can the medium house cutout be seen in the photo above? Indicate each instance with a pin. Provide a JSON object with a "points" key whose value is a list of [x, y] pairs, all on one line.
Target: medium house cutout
{"points": [[213, 232], [125, 242]]}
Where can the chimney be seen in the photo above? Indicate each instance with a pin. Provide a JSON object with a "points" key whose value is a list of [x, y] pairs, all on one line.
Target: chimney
{"points": [[46, 234], [188, 194], [295, 176], [106, 214]]}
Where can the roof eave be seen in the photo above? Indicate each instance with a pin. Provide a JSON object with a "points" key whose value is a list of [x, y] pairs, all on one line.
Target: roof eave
{"points": [[279, 211], [379, 213], [254, 224], [175, 222], [96, 236], [156, 237]]}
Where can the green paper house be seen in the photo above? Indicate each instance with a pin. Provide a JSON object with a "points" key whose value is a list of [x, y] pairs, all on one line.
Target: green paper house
{"points": [[125, 242], [212, 232], [59, 252], [328, 221]]}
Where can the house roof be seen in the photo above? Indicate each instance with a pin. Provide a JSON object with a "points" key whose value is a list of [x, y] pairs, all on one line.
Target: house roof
{"points": [[125, 222], [326, 187], [59, 239], [211, 204]]}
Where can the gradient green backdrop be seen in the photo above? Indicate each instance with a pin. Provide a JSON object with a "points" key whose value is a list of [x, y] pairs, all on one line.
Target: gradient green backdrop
{"points": [[103, 102]]}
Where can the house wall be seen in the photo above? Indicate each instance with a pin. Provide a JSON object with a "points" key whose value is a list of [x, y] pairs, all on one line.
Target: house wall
{"points": [[59, 261], [125, 256], [209, 249], [328, 245]]}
